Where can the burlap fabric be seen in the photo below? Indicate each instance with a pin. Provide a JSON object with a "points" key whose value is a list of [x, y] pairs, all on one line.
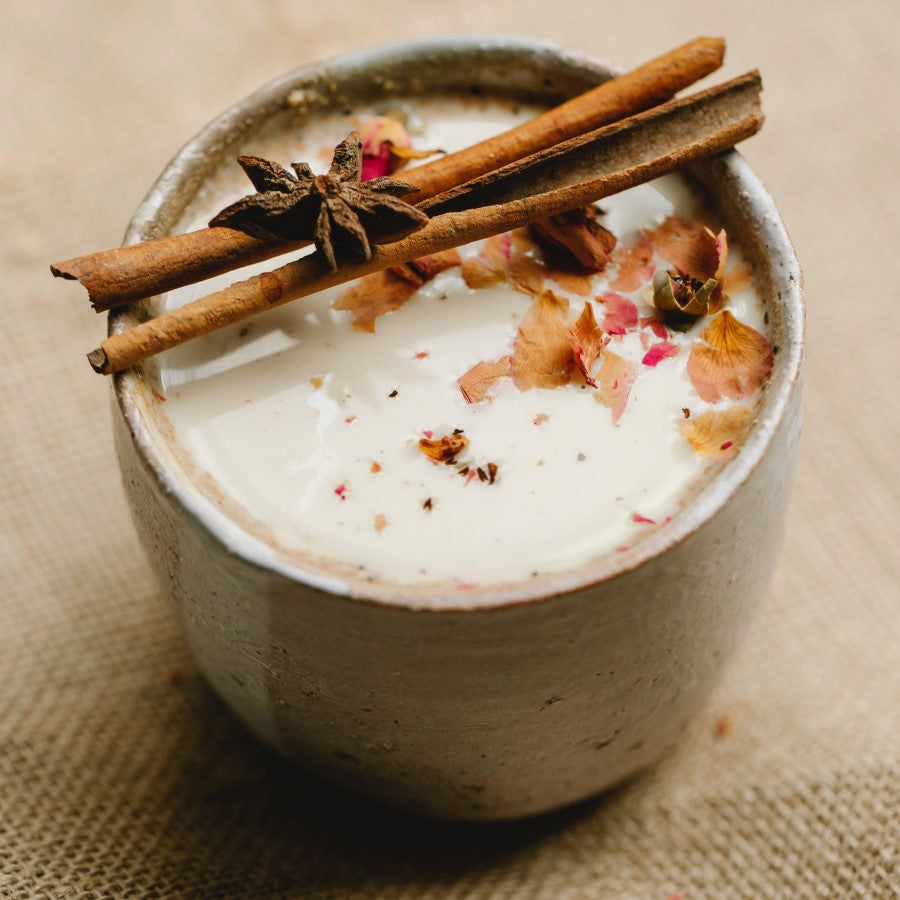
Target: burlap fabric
{"points": [[122, 776]]}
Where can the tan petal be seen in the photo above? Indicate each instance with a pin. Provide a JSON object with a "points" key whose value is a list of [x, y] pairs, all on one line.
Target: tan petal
{"points": [[476, 383], [719, 296], [718, 434], [734, 361], [542, 356], [380, 522], [521, 241], [424, 268], [526, 274], [373, 296], [692, 248], [587, 340], [573, 282], [491, 265], [635, 266], [739, 278], [444, 449], [615, 377]]}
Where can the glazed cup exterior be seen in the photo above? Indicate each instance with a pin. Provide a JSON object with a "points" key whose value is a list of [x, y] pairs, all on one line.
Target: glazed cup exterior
{"points": [[528, 697]]}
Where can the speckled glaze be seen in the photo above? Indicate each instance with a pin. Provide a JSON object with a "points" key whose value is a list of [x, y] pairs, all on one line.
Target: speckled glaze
{"points": [[501, 702]]}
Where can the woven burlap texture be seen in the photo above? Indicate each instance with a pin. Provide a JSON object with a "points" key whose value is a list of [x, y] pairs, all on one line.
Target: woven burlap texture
{"points": [[121, 775]]}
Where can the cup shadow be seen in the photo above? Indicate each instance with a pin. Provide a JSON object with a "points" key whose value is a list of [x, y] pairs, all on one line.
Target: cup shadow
{"points": [[282, 831]]}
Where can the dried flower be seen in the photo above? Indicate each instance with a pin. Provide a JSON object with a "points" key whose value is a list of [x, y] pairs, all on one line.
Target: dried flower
{"points": [[697, 285], [587, 341], [616, 376], [335, 210], [691, 247], [444, 449], [422, 269], [635, 266], [476, 383], [655, 325], [682, 295], [733, 362], [386, 146], [491, 265], [715, 434], [621, 315], [542, 355], [658, 352], [526, 274], [383, 292]]}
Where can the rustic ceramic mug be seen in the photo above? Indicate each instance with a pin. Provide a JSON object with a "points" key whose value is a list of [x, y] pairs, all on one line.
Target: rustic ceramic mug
{"points": [[509, 701]]}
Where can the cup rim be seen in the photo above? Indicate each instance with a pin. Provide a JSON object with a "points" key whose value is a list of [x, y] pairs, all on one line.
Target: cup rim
{"points": [[697, 511]]}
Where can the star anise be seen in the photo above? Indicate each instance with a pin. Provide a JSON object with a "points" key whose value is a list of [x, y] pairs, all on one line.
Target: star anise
{"points": [[337, 211]]}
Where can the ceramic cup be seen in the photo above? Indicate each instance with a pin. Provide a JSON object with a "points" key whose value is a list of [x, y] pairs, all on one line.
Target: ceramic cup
{"points": [[517, 699]]}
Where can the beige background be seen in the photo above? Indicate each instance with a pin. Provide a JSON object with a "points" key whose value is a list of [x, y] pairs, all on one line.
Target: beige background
{"points": [[121, 775]]}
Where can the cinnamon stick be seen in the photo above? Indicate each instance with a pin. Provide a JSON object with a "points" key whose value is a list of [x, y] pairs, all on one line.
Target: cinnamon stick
{"points": [[121, 275], [619, 156]]}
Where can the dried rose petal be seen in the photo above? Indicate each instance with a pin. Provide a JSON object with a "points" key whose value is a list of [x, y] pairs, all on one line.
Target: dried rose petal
{"points": [[386, 147], [635, 266], [734, 361], [476, 383], [542, 356], [444, 449], [521, 240], [586, 340], [621, 314], [616, 376], [491, 265], [655, 325], [383, 292], [658, 352], [581, 285], [691, 247], [575, 238], [526, 274], [642, 520], [373, 296], [380, 522], [715, 434], [738, 278], [424, 268]]}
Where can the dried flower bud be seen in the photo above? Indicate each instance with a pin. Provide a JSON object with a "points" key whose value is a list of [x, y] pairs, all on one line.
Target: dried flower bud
{"points": [[386, 147], [677, 293]]}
